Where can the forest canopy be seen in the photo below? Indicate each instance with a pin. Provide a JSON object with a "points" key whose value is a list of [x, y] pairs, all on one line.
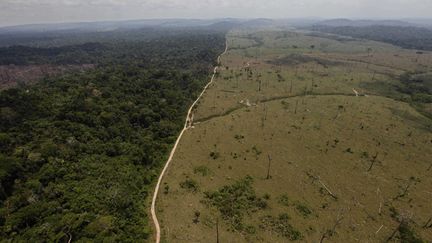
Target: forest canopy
{"points": [[80, 151], [404, 36]]}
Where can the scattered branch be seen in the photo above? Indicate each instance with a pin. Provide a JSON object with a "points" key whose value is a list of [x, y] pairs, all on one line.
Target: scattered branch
{"points": [[329, 233], [326, 188]]}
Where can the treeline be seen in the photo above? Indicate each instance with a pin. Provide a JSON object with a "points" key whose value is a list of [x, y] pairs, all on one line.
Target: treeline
{"points": [[155, 50], [70, 37], [403, 36], [78, 152], [418, 87], [76, 54]]}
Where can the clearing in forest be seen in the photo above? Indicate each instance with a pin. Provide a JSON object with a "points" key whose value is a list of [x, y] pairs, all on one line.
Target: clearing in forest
{"points": [[305, 138]]}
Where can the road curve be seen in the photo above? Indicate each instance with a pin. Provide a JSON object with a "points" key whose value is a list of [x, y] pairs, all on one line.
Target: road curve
{"points": [[188, 124]]}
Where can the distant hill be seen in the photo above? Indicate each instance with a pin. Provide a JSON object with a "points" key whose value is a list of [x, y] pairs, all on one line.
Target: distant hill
{"points": [[422, 22], [362, 23], [224, 25], [258, 22], [113, 25], [50, 35], [409, 37], [106, 26]]}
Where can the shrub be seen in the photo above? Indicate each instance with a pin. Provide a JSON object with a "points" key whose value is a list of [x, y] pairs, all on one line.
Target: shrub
{"points": [[303, 210], [236, 200], [281, 225], [283, 200], [407, 235], [214, 155], [203, 170], [190, 185]]}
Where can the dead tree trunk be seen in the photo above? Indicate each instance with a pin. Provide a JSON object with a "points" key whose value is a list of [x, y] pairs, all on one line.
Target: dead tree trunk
{"points": [[291, 87], [430, 167], [394, 232], [217, 230], [428, 223], [374, 158], [269, 165], [331, 231]]}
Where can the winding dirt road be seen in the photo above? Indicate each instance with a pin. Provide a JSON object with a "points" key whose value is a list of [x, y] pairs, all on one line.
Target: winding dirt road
{"points": [[188, 124]]}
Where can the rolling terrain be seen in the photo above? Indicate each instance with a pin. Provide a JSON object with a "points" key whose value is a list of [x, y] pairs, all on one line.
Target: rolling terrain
{"points": [[306, 138]]}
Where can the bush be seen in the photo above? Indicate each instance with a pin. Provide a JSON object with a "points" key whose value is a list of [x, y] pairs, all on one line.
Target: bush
{"points": [[190, 185], [236, 200], [303, 210], [203, 170], [283, 200], [281, 226], [407, 235], [214, 155]]}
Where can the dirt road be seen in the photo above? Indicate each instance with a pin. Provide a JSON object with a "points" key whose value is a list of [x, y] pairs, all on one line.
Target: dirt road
{"points": [[188, 124]]}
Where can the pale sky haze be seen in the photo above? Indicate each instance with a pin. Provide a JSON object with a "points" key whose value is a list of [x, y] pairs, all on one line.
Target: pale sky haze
{"points": [[15, 12]]}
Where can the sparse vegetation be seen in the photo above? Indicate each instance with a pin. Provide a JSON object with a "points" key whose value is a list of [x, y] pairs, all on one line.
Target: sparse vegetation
{"points": [[202, 170], [190, 185], [256, 151], [235, 201], [214, 155], [341, 152], [281, 225], [284, 200], [303, 209], [407, 235], [404, 36]]}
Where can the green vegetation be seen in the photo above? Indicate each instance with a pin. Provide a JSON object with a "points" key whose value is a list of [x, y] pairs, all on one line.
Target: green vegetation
{"points": [[419, 89], [283, 200], [296, 59], [235, 201], [413, 87], [79, 153], [407, 235], [404, 232], [281, 225], [303, 209], [340, 153], [73, 54], [190, 185], [202, 170], [214, 155], [406, 37]]}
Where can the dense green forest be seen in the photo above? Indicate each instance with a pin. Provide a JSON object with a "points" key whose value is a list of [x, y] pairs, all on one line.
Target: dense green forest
{"points": [[79, 152], [403, 36]]}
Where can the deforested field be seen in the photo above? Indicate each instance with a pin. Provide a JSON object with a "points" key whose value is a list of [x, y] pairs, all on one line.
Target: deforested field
{"points": [[308, 138]]}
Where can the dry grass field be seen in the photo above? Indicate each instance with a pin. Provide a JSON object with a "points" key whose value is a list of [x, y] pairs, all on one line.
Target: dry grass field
{"points": [[308, 139]]}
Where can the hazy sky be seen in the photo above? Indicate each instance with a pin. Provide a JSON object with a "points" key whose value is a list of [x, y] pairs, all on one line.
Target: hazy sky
{"points": [[38, 11]]}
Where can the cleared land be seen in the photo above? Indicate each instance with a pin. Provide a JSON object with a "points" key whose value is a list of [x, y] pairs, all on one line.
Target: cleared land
{"points": [[283, 148], [11, 75]]}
